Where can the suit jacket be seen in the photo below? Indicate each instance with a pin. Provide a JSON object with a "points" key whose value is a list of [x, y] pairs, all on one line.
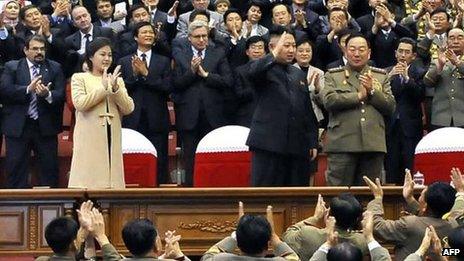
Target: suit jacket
{"points": [[366, 22], [72, 44], [116, 26], [408, 96], [150, 94], [377, 254], [407, 232], [305, 238], [328, 52], [159, 17], [223, 251], [384, 45], [283, 121], [183, 22], [14, 82], [193, 93], [245, 92], [356, 126], [449, 94]]}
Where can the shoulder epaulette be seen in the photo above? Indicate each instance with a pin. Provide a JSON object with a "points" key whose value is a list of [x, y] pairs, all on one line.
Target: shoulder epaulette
{"points": [[336, 69], [378, 70]]}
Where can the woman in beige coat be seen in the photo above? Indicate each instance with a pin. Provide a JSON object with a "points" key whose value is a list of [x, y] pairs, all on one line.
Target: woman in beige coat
{"points": [[101, 100]]}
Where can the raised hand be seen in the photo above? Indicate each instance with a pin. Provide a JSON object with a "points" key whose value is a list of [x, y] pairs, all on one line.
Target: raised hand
{"points": [[376, 188], [172, 248], [241, 212], [408, 186], [366, 81], [33, 85], [457, 179], [332, 235], [430, 24], [279, 46], [43, 90], [195, 63], [84, 215], [275, 240], [452, 57], [321, 212], [173, 10], [368, 225]]}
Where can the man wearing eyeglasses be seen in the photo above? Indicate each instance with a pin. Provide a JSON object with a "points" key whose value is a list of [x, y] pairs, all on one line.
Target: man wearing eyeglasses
{"points": [[201, 77], [32, 90]]}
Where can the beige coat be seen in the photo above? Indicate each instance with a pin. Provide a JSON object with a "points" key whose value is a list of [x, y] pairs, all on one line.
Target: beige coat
{"points": [[92, 165]]}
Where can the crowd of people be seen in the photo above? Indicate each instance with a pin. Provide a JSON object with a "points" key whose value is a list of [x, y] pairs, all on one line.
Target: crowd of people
{"points": [[373, 73], [339, 231]]}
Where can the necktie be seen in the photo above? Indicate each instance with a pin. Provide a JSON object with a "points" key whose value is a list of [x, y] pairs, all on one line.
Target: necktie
{"points": [[33, 112], [200, 54], [386, 35], [87, 41], [144, 58]]}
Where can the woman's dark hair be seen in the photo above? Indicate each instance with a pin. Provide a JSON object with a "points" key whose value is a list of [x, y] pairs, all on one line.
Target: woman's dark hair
{"points": [[93, 47]]}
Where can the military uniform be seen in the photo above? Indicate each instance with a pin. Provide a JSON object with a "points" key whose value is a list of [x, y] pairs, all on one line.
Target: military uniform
{"points": [[356, 130], [447, 109], [305, 238]]}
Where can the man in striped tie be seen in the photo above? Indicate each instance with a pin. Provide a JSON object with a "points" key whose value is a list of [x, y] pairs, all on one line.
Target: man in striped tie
{"points": [[32, 91]]}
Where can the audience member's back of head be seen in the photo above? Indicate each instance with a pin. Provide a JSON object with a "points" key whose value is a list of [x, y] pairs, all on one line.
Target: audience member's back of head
{"points": [[139, 236], [346, 252], [347, 211], [440, 198], [60, 234], [253, 234], [456, 240]]}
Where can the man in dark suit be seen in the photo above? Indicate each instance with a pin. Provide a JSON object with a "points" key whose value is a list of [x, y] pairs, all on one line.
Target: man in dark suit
{"points": [[201, 76], [31, 22], [283, 133], [147, 78], [244, 87], [385, 35], [326, 44], [404, 130], [126, 43], [75, 44], [105, 10], [32, 90]]}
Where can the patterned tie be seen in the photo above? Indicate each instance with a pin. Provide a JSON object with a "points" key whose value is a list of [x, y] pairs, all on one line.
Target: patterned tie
{"points": [[33, 112], [200, 54]]}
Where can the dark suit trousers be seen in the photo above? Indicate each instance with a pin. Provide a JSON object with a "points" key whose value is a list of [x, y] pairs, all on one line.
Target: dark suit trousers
{"points": [[400, 154], [347, 169], [270, 169], [18, 151], [190, 140], [160, 141]]}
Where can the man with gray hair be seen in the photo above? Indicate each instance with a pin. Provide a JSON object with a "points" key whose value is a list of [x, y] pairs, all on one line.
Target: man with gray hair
{"points": [[446, 76], [201, 76], [215, 18]]}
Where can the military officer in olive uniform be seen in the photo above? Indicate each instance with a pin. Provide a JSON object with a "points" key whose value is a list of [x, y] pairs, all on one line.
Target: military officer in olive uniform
{"points": [[446, 75], [357, 97]]}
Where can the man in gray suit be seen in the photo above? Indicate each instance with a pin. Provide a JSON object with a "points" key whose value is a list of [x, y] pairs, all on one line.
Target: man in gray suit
{"points": [[446, 75], [406, 234], [252, 237], [182, 25]]}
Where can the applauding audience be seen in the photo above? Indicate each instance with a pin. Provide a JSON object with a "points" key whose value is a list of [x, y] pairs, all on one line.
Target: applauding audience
{"points": [[253, 235]]}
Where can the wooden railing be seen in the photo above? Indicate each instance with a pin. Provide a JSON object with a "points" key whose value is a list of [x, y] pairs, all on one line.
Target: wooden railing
{"points": [[201, 216]]}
